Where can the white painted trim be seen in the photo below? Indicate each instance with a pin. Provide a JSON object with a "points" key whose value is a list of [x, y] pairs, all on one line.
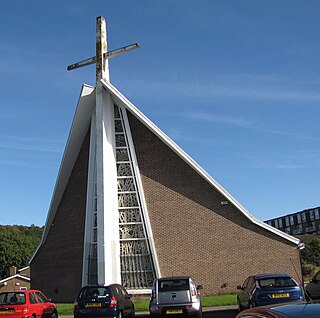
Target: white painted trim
{"points": [[15, 276], [22, 269], [123, 101], [76, 136], [90, 202], [141, 193]]}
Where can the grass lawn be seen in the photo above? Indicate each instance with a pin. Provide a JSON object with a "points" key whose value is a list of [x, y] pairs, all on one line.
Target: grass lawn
{"points": [[142, 305]]}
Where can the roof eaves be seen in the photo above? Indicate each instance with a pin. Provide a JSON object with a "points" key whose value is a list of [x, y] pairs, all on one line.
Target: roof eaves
{"points": [[15, 276]]}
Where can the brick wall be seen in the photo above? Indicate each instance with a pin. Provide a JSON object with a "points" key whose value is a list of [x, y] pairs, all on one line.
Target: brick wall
{"points": [[15, 283], [193, 233], [57, 267]]}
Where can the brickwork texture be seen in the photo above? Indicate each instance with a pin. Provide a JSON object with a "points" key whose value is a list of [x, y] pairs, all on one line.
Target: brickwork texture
{"points": [[193, 233]]}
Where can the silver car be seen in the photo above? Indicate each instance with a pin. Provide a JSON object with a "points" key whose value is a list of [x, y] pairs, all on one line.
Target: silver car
{"points": [[175, 296]]}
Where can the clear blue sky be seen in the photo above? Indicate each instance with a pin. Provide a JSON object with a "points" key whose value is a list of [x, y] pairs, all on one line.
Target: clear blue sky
{"points": [[236, 84]]}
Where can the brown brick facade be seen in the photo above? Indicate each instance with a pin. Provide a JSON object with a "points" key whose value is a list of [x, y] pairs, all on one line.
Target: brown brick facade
{"points": [[57, 267], [193, 233]]}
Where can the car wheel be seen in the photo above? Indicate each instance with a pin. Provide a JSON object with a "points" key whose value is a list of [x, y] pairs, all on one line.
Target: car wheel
{"points": [[54, 315], [239, 305], [199, 314]]}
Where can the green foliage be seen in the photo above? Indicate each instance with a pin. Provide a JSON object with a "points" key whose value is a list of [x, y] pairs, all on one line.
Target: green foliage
{"points": [[311, 253], [308, 270], [17, 244], [220, 300]]}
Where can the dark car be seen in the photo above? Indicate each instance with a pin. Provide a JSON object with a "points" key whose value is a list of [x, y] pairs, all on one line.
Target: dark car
{"points": [[312, 289], [103, 301], [260, 290], [288, 310], [26, 303], [175, 296]]}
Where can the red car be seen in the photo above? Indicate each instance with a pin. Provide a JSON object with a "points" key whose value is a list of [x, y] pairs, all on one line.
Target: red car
{"points": [[26, 304], [284, 310]]}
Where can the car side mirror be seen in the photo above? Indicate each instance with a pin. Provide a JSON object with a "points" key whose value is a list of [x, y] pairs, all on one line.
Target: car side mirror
{"points": [[199, 287]]}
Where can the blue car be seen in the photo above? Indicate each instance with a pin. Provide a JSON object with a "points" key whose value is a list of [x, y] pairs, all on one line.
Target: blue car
{"points": [[261, 290]]}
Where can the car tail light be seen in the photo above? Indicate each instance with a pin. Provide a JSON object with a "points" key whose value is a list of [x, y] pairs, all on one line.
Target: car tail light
{"points": [[194, 292], [25, 310], [75, 304], [113, 302], [189, 306]]}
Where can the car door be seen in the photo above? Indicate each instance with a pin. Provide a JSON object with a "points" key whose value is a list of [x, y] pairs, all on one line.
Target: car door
{"points": [[46, 306], [250, 290], [126, 301], [243, 293], [35, 306]]}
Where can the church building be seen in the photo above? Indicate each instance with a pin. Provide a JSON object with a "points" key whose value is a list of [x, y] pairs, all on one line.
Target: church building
{"points": [[129, 205]]}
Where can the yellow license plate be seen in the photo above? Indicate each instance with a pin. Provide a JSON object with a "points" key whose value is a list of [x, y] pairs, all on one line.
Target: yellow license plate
{"points": [[174, 311], [7, 312], [286, 295], [90, 305]]}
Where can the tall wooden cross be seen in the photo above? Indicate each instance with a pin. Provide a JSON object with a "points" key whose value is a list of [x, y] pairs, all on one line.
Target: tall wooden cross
{"points": [[102, 53]]}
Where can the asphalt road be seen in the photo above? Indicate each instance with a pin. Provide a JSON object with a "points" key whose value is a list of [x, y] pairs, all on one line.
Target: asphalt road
{"points": [[219, 312]]}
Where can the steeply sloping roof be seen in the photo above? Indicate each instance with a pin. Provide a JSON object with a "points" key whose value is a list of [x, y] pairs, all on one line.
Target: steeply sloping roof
{"points": [[119, 99], [80, 125], [78, 130]]}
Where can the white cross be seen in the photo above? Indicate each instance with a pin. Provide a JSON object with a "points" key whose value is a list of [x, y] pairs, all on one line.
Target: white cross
{"points": [[102, 53]]}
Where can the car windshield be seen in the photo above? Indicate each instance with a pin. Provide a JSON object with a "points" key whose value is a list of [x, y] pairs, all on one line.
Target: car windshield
{"points": [[277, 282], [100, 292], [12, 298], [173, 284]]}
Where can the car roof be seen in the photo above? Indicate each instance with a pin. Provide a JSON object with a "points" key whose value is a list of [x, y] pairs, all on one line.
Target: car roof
{"points": [[173, 277], [261, 276], [100, 286], [19, 291]]}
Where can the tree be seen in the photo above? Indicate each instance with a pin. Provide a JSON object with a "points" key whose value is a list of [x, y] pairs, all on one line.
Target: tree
{"points": [[17, 244], [311, 252]]}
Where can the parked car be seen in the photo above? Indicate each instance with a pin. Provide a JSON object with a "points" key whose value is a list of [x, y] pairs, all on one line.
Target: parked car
{"points": [[312, 289], [103, 301], [175, 296], [26, 303], [260, 290], [288, 310]]}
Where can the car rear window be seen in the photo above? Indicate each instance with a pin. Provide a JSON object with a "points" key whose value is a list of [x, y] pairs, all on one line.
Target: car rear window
{"points": [[277, 282], [12, 298], [173, 284], [95, 292]]}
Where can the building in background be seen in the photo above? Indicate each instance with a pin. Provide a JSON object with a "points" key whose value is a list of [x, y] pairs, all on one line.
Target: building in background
{"points": [[298, 223], [130, 205], [18, 279]]}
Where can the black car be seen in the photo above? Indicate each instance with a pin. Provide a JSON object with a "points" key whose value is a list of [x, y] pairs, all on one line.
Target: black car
{"points": [[312, 289], [103, 301]]}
